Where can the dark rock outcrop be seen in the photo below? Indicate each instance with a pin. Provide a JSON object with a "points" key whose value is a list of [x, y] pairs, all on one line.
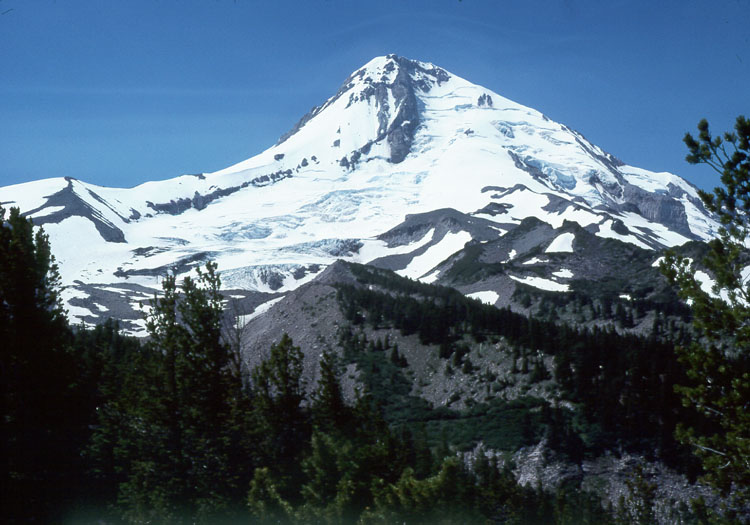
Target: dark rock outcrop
{"points": [[73, 205], [200, 201]]}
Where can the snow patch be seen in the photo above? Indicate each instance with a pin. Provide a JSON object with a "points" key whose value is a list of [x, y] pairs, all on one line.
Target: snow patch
{"points": [[542, 284], [606, 231], [450, 244], [374, 248], [705, 282], [259, 310], [562, 243], [487, 297], [563, 273]]}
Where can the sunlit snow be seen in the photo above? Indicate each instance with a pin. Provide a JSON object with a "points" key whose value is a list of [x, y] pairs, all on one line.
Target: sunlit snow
{"points": [[561, 243], [259, 310], [606, 231], [542, 284], [563, 273], [487, 297], [287, 206], [450, 244]]}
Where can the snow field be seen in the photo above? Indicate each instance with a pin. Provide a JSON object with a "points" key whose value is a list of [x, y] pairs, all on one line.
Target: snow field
{"points": [[459, 150]]}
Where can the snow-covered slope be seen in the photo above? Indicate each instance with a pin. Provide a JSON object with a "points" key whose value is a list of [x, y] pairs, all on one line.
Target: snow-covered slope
{"points": [[399, 138]]}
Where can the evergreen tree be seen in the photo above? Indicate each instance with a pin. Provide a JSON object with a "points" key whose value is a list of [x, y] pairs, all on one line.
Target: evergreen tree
{"points": [[264, 501], [329, 412], [40, 423], [718, 363], [278, 392], [324, 471], [175, 427]]}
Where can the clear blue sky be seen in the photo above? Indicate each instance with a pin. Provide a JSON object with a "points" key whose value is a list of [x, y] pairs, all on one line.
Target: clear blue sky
{"points": [[120, 92]]}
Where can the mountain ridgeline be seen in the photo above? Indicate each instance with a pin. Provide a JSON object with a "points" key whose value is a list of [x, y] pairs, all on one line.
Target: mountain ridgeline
{"points": [[402, 167]]}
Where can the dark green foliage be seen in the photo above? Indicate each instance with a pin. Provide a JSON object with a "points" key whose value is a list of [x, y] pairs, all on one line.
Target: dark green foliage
{"points": [[718, 363], [328, 410], [574, 506], [40, 427], [563, 432], [173, 425], [265, 504], [486, 493], [539, 372], [500, 425], [397, 359], [621, 384], [282, 423], [173, 434], [470, 269], [384, 378]]}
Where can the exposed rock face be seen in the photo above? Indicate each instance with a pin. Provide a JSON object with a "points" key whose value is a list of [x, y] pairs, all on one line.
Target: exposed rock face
{"points": [[199, 202], [664, 209], [607, 476], [400, 134], [397, 124], [389, 143], [441, 222], [74, 205], [528, 167], [181, 266], [484, 100], [619, 195]]}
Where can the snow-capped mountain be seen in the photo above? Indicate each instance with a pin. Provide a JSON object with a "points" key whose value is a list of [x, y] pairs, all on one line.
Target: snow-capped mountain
{"points": [[400, 138]]}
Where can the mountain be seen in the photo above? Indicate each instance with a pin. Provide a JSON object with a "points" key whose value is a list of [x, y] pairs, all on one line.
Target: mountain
{"points": [[562, 405], [404, 167]]}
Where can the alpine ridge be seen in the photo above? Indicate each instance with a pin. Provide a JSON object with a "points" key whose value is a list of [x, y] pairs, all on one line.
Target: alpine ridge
{"points": [[405, 166]]}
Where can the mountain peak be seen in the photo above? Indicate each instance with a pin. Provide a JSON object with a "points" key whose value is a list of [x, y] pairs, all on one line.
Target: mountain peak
{"points": [[384, 95], [365, 177], [387, 68]]}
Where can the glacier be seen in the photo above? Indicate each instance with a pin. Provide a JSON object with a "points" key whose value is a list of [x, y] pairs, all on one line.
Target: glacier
{"points": [[399, 138]]}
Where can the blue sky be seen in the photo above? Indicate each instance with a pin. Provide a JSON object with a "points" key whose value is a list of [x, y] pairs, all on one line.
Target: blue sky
{"points": [[120, 92]]}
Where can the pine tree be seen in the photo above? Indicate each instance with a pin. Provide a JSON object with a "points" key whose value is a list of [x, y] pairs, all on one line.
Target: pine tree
{"points": [[323, 470], [264, 501], [39, 422], [329, 412], [278, 392], [179, 424], [718, 363]]}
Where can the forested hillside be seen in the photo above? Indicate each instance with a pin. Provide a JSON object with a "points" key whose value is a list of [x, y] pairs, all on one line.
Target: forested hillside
{"points": [[177, 428]]}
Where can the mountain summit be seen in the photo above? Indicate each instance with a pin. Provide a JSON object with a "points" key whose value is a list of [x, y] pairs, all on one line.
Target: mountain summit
{"points": [[401, 142], [383, 99]]}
